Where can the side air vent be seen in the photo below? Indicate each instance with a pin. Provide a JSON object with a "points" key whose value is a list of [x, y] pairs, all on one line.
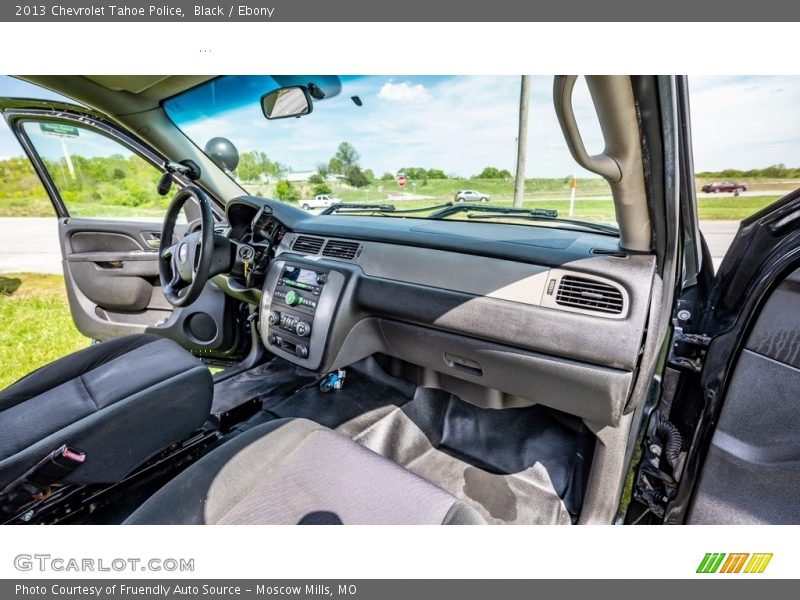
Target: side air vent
{"points": [[607, 252], [340, 249], [589, 294], [308, 245]]}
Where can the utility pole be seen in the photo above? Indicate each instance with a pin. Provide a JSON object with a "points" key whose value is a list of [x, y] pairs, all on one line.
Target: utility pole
{"points": [[67, 157], [573, 184], [522, 140]]}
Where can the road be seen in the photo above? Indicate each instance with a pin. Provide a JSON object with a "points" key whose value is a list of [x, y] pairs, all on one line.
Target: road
{"points": [[31, 244], [719, 235]]}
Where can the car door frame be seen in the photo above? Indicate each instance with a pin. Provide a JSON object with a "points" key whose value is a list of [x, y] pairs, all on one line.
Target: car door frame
{"points": [[17, 111], [712, 315], [225, 344], [765, 250]]}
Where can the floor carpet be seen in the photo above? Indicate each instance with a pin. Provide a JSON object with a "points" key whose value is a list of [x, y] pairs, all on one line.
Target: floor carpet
{"points": [[517, 466]]}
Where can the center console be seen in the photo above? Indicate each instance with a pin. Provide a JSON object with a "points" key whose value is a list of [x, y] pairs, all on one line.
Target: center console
{"points": [[297, 308]]}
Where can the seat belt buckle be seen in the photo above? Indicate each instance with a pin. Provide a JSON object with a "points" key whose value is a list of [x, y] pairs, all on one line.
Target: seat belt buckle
{"points": [[35, 484], [56, 466]]}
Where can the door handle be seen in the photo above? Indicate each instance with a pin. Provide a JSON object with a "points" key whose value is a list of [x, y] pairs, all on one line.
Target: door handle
{"points": [[152, 239]]}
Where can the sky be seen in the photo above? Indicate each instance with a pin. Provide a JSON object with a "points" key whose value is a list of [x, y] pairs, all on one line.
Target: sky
{"points": [[457, 124], [463, 124]]}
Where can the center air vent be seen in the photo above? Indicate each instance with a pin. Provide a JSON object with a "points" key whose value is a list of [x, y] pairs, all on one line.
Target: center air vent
{"points": [[589, 294], [308, 245], [340, 249]]}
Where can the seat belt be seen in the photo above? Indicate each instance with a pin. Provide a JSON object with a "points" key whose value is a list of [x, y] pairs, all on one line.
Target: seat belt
{"points": [[50, 470]]}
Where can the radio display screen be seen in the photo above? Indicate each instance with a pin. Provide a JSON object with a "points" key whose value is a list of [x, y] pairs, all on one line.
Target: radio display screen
{"points": [[300, 275]]}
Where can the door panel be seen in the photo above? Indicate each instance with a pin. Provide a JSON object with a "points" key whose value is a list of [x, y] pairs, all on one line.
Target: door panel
{"points": [[752, 468], [113, 267], [111, 273]]}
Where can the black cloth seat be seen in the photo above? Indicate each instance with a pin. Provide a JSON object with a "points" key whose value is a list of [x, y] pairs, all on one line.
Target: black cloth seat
{"points": [[119, 402], [295, 471]]}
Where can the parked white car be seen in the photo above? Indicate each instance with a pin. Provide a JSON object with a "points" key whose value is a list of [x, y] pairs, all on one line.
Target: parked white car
{"points": [[471, 196], [320, 201]]}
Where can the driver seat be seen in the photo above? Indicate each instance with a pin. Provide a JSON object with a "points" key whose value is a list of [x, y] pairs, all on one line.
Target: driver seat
{"points": [[96, 415]]}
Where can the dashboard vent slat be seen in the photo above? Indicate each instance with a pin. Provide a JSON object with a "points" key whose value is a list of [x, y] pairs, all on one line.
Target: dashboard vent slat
{"points": [[589, 294], [340, 249], [307, 244]]}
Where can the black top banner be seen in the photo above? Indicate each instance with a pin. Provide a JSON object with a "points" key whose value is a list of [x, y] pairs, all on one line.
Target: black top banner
{"points": [[401, 11]]}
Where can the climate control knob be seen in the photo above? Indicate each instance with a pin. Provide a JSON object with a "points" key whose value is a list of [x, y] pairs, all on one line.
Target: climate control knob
{"points": [[274, 317], [301, 351], [302, 329]]}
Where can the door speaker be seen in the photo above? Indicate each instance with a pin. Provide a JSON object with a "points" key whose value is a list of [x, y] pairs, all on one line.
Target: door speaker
{"points": [[202, 327]]}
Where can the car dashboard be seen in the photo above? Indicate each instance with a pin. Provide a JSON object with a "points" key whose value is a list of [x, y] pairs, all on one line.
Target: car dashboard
{"points": [[502, 315]]}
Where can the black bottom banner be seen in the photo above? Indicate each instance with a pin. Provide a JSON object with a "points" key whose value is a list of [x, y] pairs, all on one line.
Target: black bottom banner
{"points": [[384, 589]]}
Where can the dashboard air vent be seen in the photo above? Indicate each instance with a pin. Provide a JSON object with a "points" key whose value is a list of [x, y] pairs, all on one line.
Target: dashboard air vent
{"points": [[589, 294], [308, 245], [340, 249]]}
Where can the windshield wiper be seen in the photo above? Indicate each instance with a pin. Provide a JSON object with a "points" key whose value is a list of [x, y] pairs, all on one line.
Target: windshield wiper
{"points": [[354, 207], [423, 209], [535, 214], [453, 209]]}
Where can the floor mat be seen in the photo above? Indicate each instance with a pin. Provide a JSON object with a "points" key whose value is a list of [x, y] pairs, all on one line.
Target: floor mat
{"points": [[522, 465], [275, 379]]}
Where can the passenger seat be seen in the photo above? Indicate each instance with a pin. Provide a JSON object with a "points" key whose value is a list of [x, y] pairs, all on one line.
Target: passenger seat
{"points": [[295, 471]]}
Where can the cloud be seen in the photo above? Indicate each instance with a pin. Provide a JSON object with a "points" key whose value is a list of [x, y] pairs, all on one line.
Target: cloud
{"points": [[404, 92], [744, 122], [466, 124], [458, 124], [463, 124]]}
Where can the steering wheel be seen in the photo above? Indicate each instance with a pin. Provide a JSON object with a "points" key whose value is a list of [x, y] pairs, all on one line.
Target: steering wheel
{"points": [[184, 267]]}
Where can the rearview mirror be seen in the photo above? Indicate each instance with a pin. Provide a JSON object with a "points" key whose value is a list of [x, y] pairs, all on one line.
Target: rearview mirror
{"points": [[283, 103]]}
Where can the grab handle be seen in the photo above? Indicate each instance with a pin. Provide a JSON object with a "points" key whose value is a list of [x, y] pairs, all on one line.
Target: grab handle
{"points": [[602, 164]]}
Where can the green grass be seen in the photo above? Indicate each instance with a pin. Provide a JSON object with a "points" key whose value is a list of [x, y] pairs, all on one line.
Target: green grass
{"points": [[26, 207], [498, 189], [710, 209], [588, 209], [593, 198], [35, 324], [731, 208], [38, 207], [41, 207]]}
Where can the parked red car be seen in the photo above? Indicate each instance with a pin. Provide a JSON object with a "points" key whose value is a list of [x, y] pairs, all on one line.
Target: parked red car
{"points": [[724, 186]]}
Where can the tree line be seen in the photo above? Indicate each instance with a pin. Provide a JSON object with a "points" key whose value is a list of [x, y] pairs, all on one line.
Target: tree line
{"points": [[109, 180], [779, 171], [346, 163], [130, 181]]}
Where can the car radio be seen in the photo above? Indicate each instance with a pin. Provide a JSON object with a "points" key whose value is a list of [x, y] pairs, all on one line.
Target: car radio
{"points": [[294, 305]]}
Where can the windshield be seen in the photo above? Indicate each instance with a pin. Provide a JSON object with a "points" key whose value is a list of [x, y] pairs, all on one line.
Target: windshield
{"points": [[402, 146]]}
